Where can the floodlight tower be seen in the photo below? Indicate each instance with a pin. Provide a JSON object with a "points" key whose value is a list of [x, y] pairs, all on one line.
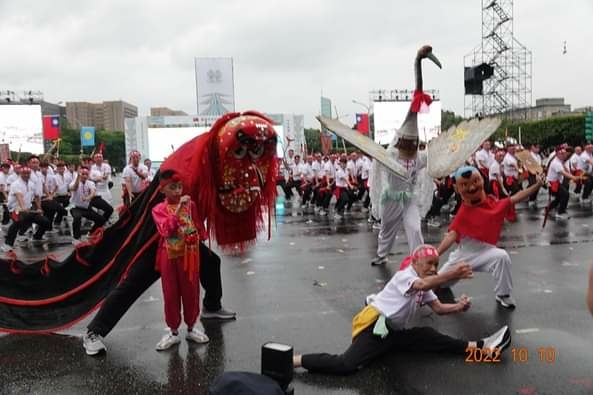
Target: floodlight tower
{"points": [[508, 89]]}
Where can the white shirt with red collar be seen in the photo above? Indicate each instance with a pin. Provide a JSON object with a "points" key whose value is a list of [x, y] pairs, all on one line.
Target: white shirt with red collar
{"points": [[399, 301]]}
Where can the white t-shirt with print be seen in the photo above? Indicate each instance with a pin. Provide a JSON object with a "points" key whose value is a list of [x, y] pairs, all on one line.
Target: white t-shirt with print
{"points": [[483, 156], [97, 172], [84, 190], [49, 181], [555, 170], [342, 178], [398, 301], [27, 189], [137, 181], [509, 164], [494, 171], [63, 181]]}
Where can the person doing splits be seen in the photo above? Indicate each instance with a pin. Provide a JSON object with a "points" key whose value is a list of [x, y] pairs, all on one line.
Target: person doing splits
{"points": [[383, 325]]}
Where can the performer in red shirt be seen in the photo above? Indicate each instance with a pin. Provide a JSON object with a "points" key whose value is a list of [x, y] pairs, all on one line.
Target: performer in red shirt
{"points": [[476, 229]]}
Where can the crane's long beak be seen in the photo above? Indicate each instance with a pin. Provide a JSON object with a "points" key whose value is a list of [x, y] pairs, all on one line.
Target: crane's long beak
{"points": [[434, 59]]}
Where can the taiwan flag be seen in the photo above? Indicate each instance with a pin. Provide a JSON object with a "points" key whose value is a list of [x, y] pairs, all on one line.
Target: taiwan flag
{"points": [[362, 123], [51, 127]]}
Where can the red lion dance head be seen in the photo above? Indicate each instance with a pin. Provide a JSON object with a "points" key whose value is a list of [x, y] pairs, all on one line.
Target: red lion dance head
{"points": [[230, 173]]}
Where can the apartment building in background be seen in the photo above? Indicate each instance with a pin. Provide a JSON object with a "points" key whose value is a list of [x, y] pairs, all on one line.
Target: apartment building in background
{"points": [[108, 115], [164, 112]]}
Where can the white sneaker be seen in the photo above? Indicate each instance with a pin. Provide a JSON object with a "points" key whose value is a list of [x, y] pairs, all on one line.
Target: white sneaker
{"points": [[22, 239], [322, 213], [337, 216], [562, 216], [376, 226], [498, 340], [431, 223], [6, 248], [93, 344], [197, 336], [167, 341]]}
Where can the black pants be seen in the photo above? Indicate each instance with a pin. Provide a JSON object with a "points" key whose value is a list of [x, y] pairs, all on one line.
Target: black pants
{"points": [[141, 277], [99, 203], [307, 193], [53, 211], [532, 180], [64, 200], [588, 187], [560, 199], [325, 199], [440, 198], [25, 220], [514, 187], [367, 347], [286, 188], [78, 213], [345, 200], [5, 212]]}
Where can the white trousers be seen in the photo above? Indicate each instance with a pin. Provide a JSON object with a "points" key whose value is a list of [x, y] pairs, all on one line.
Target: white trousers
{"points": [[483, 257], [395, 215]]}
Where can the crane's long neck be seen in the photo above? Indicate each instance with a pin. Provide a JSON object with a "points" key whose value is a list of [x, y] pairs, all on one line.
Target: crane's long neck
{"points": [[418, 72]]}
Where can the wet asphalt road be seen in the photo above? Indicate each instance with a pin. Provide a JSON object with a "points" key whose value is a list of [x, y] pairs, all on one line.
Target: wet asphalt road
{"points": [[304, 286]]}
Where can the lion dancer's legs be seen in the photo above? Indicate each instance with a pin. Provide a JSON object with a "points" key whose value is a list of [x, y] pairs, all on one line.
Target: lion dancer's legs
{"points": [[141, 276]]}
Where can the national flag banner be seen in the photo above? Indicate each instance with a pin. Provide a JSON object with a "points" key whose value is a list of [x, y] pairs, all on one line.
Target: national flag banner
{"points": [[87, 136], [362, 123], [51, 127]]}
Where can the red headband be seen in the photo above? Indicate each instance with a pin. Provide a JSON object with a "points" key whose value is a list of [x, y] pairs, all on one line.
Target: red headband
{"points": [[166, 181], [425, 251]]}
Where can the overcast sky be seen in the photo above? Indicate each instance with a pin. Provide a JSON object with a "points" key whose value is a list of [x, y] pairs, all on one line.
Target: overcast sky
{"points": [[285, 52]]}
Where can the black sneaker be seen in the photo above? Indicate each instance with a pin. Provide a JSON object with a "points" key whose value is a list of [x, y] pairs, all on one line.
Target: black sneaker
{"points": [[506, 301], [220, 314], [379, 260]]}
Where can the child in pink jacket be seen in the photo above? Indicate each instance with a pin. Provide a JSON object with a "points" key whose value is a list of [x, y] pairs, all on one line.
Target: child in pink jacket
{"points": [[178, 260]]}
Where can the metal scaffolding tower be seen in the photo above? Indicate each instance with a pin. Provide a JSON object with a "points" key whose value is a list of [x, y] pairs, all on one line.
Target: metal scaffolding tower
{"points": [[509, 88]]}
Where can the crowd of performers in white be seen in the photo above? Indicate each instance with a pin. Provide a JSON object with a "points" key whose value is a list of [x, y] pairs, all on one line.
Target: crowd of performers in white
{"points": [[312, 182], [41, 198]]}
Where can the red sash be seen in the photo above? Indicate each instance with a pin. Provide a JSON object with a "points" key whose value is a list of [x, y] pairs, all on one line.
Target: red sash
{"points": [[338, 192], [554, 186], [495, 188]]}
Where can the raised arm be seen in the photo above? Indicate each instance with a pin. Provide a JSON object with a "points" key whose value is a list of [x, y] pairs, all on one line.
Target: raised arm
{"points": [[524, 194], [447, 242], [459, 271]]}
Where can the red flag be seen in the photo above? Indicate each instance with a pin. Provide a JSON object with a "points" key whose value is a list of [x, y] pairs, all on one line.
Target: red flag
{"points": [[101, 148], [362, 123], [51, 127]]}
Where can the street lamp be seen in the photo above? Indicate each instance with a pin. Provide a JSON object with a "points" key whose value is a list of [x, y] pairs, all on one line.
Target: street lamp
{"points": [[371, 134]]}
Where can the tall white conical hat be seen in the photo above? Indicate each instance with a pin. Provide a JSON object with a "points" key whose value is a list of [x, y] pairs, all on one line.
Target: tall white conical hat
{"points": [[409, 129]]}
